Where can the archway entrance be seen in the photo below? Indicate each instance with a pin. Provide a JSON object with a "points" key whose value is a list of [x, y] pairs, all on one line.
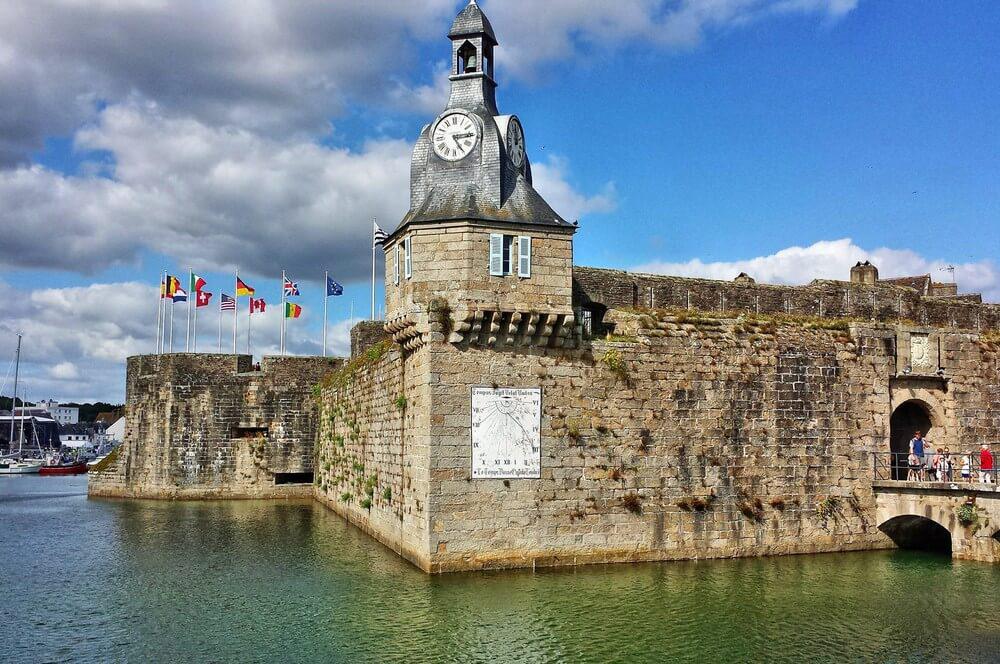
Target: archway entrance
{"points": [[910, 531], [911, 416]]}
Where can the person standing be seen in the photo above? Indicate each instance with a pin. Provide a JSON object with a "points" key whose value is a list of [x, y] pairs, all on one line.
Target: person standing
{"points": [[985, 465], [917, 448], [946, 467], [967, 468]]}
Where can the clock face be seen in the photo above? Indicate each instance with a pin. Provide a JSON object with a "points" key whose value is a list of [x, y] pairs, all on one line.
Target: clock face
{"points": [[515, 142], [454, 136]]}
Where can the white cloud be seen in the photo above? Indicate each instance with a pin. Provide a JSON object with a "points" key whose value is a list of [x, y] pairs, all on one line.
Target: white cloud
{"points": [[76, 339], [550, 180], [533, 34], [220, 197], [833, 260]]}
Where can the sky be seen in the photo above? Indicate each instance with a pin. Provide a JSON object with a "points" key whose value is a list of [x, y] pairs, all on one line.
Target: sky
{"points": [[784, 138]]}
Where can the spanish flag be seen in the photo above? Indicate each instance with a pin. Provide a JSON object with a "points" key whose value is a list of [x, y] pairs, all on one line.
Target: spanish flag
{"points": [[292, 310], [242, 289]]}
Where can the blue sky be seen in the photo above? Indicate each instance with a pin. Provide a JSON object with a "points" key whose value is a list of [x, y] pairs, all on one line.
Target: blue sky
{"points": [[785, 137]]}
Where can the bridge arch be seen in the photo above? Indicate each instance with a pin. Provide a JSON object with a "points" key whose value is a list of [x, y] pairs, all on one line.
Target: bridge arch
{"points": [[908, 417], [913, 531]]}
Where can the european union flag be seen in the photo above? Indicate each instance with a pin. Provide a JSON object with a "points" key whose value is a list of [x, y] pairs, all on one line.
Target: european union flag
{"points": [[333, 288]]}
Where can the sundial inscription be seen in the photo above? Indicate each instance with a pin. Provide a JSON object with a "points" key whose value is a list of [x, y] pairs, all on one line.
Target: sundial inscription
{"points": [[506, 433]]}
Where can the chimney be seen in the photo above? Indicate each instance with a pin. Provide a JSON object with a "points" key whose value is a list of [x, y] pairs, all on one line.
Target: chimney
{"points": [[864, 273]]}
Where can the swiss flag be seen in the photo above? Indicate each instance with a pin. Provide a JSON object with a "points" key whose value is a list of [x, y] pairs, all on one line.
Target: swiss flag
{"points": [[202, 298], [257, 306]]}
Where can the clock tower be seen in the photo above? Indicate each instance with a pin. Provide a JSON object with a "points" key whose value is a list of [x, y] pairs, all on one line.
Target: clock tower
{"points": [[478, 240]]}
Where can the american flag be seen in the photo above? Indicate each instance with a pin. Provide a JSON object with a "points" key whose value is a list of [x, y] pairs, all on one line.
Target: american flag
{"points": [[291, 288], [227, 303], [378, 235]]}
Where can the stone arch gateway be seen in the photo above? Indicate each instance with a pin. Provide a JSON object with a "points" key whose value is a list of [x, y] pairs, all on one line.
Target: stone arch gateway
{"points": [[908, 417]]}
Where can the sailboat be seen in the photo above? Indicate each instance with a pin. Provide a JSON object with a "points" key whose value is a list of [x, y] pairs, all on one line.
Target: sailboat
{"points": [[14, 464]]}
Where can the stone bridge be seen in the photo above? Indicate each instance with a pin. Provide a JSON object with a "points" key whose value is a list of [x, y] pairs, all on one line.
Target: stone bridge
{"points": [[924, 515]]}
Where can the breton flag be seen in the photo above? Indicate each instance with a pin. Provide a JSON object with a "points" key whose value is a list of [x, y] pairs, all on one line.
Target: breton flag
{"points": [[333, 288], [378, 235], [292, 310], [291, 288], [180, 295], [169, 287], [257, 306], [227, 303], [197, 283], [242, 289], [202, 298]]}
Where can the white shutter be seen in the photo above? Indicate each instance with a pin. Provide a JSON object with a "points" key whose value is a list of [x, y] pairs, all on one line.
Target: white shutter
{"points": [[408, 261], [524, 256], [395, 265], [496, 254]]}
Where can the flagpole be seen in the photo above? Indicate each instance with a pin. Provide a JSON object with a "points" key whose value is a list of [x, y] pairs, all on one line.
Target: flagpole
{"points": [[374, 221], [171, 325], [326, 298], [187, 330], [236, 309], [194, 330], [159, 308], [281, 343], [352, 313], [249, 325], [220, 322]]}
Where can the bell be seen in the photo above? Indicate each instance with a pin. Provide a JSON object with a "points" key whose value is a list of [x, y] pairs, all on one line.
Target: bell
{"points": [[470, 63]]}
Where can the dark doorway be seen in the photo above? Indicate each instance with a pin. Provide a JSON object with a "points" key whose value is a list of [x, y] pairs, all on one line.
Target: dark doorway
{"points": [[917, 532], [909, 417]]}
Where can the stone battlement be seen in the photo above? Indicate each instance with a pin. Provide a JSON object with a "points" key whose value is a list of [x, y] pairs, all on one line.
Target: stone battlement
{"points": [[597, 289], [206, 426]]}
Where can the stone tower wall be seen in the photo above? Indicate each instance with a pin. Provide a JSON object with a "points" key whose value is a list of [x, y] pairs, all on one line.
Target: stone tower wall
{"points": [[209, 426], [451, 261]]}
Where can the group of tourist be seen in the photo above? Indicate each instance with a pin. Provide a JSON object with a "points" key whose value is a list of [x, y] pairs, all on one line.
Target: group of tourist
{"points": [[924, 464]]}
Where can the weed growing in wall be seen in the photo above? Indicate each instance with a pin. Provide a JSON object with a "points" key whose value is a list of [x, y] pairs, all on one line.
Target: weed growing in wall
{"points": [[615, 363], [632, 503]]}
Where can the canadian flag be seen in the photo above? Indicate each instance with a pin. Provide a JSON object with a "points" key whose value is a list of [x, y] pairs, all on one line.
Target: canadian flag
{"points": [[202, 298], [257, 306]]}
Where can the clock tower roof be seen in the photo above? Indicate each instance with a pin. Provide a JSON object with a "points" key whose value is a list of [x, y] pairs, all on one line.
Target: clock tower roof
{"points": [[472, 21]]}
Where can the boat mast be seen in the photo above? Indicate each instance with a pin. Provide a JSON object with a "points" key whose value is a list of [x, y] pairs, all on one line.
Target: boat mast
{"points": [[13, 401]]}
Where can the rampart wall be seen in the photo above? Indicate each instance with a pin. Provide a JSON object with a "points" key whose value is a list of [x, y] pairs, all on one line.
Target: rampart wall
{"points": [[688, 437], [210, 426], [821, 298]]}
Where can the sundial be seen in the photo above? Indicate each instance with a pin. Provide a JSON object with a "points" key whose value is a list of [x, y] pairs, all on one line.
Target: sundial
{"points": [[506, 433]]}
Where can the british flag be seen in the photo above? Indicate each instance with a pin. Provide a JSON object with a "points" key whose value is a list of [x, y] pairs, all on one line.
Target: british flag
{"points": [[291, 288]]}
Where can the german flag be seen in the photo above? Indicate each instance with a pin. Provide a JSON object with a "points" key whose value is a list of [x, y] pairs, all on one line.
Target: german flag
{"points": [[242, 289], [292, 310]]}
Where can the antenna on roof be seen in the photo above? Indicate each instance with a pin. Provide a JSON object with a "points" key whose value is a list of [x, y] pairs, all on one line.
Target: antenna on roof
{"points": [[951, 269]]}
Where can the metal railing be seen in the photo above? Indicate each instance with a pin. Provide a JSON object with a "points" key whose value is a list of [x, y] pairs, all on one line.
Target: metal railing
{"points": [[962, 469]]}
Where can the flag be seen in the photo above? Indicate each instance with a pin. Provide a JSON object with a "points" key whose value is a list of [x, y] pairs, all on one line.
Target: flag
{"points": [[379, 236], [291, 288], [169, 286], [197, 283], [202, 298], [257, 306], [227, 303], [333, 288], [242, 289], [292, 310], [180, 295]]}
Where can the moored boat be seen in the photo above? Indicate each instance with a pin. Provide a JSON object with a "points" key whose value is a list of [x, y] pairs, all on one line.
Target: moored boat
{"points": [[75, 468], [20, 466]]}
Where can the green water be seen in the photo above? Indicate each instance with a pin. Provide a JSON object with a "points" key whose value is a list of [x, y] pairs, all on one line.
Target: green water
{"points": [[103, 580]]}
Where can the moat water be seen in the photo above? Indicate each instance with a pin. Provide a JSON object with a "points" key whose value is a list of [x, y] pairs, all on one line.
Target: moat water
{"points": [[87, 580]]}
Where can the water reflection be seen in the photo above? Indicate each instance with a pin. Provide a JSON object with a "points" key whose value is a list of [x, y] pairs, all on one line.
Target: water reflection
{"points": [[273, 581]]}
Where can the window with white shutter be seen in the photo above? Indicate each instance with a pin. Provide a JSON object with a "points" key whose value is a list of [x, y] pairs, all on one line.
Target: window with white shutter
{"points": [[524, 256], [496, 254], [395, 265], [408, 258]]}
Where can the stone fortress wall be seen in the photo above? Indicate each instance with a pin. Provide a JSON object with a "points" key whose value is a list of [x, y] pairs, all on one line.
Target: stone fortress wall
{"points": [[210, 426], [689, 433]]}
